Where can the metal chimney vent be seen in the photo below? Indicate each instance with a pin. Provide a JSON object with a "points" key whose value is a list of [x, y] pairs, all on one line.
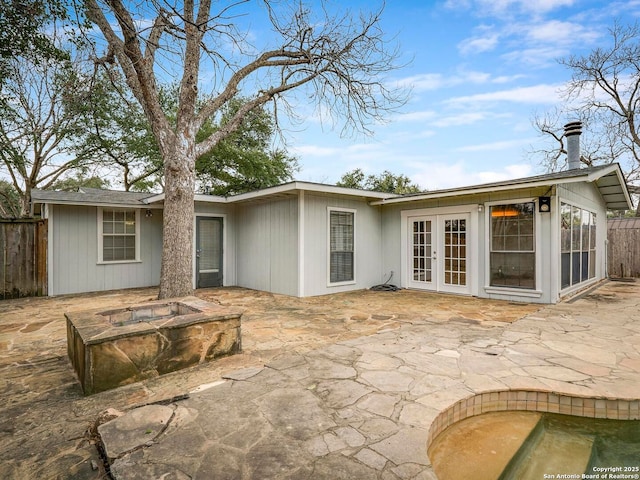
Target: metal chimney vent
{"points": [[572, 131]]}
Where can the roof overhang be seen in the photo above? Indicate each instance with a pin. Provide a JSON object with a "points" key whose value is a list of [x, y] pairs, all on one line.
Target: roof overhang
{"points": [[291, 188], [295, 187], [156, 200], [613, 188], [608, 180], [93, 204]]}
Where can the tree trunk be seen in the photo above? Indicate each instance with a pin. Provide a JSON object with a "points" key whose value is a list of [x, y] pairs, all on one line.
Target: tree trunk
{"points": [[176, 276], [25, 201]]}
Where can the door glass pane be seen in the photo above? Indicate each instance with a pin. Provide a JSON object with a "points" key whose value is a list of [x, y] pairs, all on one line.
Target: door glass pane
{"points": [[454, 256], [422, 249], [209, 244]]}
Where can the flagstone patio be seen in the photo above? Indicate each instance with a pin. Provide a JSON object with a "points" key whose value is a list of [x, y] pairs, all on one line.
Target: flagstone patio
{"points": [[342, 386]]}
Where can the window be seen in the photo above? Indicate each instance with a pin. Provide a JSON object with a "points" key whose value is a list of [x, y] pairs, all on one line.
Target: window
{"points": [[578, 245], [512, 256], [341, 246], [118, 232]]}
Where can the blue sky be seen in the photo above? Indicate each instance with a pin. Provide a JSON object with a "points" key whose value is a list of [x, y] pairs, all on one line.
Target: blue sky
{"points": [[479, 71]]}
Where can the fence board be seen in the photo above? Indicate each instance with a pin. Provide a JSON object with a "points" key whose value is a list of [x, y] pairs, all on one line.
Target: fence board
{"points": [[624, 247], [23, 245]]}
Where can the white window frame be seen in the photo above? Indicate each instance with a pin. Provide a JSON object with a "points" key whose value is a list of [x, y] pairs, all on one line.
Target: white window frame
{"points": [[473, 256], [582, 284], [511, 291], [344, 210], [101, 260]]}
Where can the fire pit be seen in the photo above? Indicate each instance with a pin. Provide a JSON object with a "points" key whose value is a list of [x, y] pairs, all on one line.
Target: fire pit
{"points": [[111, 348]]}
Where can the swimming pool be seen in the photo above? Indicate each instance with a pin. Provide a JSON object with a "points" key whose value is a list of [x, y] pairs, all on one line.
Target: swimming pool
{"points": [[524, 445]]}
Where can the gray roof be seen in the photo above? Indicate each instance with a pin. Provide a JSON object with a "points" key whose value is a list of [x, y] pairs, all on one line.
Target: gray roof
{"points": [[90, 196], [607, 178]]}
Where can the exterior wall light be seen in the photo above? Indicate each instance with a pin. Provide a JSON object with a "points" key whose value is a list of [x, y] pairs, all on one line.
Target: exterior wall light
{"points": [[544, 204]]}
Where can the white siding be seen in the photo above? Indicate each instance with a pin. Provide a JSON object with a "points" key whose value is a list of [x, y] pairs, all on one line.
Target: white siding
{"points": [[368, 245], [75, 265], [547, 244], [267, 246]]}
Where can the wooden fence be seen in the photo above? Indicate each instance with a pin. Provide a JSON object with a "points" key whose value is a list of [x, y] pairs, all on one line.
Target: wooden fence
{"points": [[23, 246], [624, 247]]}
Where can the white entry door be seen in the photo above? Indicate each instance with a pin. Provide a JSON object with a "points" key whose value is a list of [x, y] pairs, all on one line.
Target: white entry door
{"points": [[438, 253]]}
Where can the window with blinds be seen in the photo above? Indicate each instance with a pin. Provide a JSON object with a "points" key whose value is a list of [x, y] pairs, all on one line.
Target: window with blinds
{"points": [[118, 231], [341, 246]]}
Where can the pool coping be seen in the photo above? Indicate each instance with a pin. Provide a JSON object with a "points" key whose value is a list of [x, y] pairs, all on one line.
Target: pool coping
{"points": [[532, 400]]}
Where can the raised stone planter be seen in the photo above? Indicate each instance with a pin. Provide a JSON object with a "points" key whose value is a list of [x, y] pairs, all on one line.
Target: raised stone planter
{"points": [[117, 347]]}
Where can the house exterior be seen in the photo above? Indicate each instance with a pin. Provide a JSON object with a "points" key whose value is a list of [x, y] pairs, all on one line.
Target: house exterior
{"points": [[534, 239]]}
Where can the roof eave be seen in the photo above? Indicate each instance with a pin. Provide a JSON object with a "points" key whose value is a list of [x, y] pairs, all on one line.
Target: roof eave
{"points": [[296, 186], [624, 189], [79, 203], [590, 177], [466, 191]]}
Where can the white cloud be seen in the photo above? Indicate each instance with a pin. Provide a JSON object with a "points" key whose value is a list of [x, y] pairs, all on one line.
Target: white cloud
{"points": [[466, 118], [478, 44], [434, 81], [508, 8], [355, 151], [536, 94], [561, 33], [440, 176], [538, 57], [510, 172], [314, 151], [415, 116], [507, 78], [497, 146], [423, 82]]}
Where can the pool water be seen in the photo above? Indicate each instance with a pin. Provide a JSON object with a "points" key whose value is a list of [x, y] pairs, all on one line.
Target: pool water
{"points": [[531, 445]]}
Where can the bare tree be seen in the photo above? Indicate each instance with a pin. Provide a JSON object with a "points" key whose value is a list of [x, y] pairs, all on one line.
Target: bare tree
{"points": [[340, 60], [604, 92], [38, 126]]}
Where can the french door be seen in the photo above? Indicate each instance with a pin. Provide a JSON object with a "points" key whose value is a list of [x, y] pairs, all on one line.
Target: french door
{"points": [[438, 253]]}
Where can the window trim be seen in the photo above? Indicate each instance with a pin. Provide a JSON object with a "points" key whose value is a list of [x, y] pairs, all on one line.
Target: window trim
{"points": [[346, 282], [99, 216], [223, 216], [589, 280], [534, 292]]}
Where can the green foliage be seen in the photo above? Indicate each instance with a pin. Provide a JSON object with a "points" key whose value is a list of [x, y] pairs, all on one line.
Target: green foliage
{"points": [[72, 183], [385, 182], [39, 123], [121, 136], [243, 161], [118, 133], [22, 32], [9, 200]]}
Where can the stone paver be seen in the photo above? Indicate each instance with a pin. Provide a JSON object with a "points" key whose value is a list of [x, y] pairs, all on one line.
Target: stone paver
{"points": [[345, 386]]}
